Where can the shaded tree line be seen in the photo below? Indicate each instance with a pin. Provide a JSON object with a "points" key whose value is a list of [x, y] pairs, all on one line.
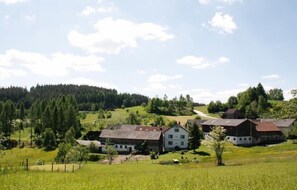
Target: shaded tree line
{"points": [[55, 120], [176, 106], [253, 102], [89, 98]]}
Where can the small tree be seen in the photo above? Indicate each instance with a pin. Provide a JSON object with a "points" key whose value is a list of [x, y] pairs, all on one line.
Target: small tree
{"points": [[195, 137], [110, 151], [62, 153], [216, 141], [49, 142], [77, 154], [69, 136]]}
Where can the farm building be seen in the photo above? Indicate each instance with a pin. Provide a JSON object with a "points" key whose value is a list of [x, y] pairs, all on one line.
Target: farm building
{"points": [[285, 125], [268, 132], [238, 131], [190, 122], [245, 132], [233, 114], [125, 140], [176, 137]]}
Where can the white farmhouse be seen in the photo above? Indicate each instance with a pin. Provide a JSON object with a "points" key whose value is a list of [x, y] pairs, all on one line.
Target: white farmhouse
{"points": [[176, 137]]}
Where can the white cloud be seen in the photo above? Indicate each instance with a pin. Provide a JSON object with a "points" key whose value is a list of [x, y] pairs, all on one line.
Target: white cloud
{"points": [[113, 35], [194, 62], [86, 81], [7, 73], [229, 1], [223, 23], [93, 10], [204, 2], [30, 18], [141, 72], [88, 11], [159, 78], [200, 62], [273, 76], [206, 95], [10, 2], [224, 60], [58, 64]]}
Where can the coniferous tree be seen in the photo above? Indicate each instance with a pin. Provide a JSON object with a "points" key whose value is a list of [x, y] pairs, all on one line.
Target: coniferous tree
{"points": [[195, 137]]}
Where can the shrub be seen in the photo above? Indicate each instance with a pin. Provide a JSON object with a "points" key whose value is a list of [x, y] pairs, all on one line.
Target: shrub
{"points": [[94, 157], [153, 155]]}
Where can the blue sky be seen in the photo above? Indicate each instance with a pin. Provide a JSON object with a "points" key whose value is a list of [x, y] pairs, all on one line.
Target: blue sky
{"points": [[210, 49]]}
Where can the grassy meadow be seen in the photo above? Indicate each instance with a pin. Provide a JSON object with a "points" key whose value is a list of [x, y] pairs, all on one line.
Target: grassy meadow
{"points": [[91, 122], [259, 167]]}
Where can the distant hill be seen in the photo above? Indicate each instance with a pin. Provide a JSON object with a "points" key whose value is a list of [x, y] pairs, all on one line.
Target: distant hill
{"points": [[88, 97]]}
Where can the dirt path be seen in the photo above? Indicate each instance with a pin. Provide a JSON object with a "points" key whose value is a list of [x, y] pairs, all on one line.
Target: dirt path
{"points": [[201, 114]]}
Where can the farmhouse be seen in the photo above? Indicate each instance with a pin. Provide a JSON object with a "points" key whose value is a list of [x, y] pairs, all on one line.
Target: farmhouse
{"points": [[268, 132], [245, 132], [127, 140], [285, 125], [238, 131], [233, 114], [190, 123], [176, 137]]}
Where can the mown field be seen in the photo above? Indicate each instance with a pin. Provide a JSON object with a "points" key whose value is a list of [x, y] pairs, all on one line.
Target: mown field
{"points": [[259, 167]]}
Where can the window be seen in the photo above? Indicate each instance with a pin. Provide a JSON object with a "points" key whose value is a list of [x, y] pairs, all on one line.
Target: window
{"points": [[170, 136], [116, 146], [170, 143], [182, 143], [240, 139], [120, 146], [176, 130], [250, 138], [234, 139], [228, 138], [182, 136], [125, 146], [244, 139]]}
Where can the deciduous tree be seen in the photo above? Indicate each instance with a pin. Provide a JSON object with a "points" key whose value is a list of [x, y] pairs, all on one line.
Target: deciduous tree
{"points": [[216, 141]]}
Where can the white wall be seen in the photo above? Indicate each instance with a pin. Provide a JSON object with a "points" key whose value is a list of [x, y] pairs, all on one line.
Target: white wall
{"points": [[244, 140], [121, 148], [171, 135]]}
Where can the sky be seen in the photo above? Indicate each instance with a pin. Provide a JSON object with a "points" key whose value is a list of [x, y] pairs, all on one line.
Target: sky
{"points": [[209, 49]]}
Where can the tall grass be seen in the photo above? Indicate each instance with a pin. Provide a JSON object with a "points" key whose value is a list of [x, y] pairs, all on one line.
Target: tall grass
{"points": [[144, 175]]}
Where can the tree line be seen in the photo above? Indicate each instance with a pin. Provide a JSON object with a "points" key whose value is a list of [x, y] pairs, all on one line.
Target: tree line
{"points": [[89, 98], [253, 102], [51, 121], [176, 106]]}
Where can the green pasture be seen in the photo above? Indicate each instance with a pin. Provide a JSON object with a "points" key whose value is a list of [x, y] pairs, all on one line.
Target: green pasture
{"points": [[258, 167]]}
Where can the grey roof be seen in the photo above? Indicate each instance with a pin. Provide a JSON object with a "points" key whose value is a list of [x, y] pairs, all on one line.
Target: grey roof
{"points": [[197, 121], [130, 134], [88, 143], [121, 127], [280, 122], [224, 122]]}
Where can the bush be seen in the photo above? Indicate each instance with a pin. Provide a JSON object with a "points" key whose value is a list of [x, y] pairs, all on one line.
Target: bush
{"points": [[94, 157], [153, 155]]}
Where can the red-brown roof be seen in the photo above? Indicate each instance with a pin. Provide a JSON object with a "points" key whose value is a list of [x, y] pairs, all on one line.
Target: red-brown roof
{"points": [[266, 127]]}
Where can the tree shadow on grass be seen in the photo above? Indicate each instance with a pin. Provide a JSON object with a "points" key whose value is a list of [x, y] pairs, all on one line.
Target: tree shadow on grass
{"points": [[201, 153]]}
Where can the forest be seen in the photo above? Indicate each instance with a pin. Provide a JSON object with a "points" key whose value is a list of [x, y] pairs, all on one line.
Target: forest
{"points": [[89, 98]]}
